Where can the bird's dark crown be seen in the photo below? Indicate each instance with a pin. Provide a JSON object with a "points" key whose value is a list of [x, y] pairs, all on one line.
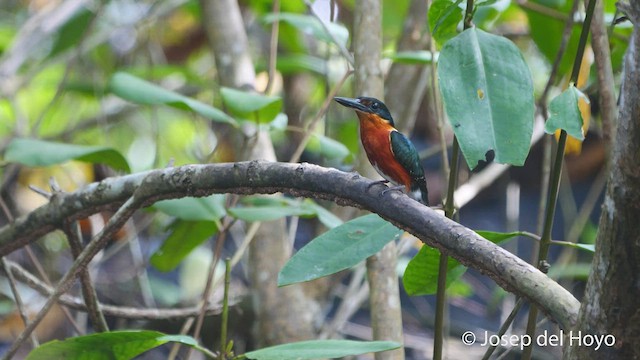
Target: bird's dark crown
{"points": [[368, 105]]}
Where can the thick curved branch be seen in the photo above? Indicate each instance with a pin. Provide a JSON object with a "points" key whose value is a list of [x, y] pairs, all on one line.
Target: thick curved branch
{"points": [[306, 180]]}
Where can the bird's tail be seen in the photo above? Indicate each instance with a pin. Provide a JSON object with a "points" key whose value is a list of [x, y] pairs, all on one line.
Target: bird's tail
{"points": [[422, 185]]}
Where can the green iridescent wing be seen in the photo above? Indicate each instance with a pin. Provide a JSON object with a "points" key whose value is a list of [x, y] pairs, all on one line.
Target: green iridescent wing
{"points": [[407, 155]]}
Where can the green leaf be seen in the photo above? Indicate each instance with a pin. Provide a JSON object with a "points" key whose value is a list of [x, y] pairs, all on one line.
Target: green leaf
{"points": [[564, 113], [497, 237], [269, 208], [421, 275], [327, 147], [319, 349], [326, 217], [413, 57], [251, 106], [310, 25], [115, 345], [272, 208], [32, 152], [339, 248], [578, 271], [488, 94], [268, 213], [210, 208], [547, 33], [183, 238], [444, 17], [140, 91], [486, 3], [71, 33], [301, 63], [586, 247]]}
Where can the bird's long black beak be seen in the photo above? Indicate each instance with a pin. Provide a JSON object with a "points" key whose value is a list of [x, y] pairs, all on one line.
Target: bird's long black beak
{"points": [[352, 103]]}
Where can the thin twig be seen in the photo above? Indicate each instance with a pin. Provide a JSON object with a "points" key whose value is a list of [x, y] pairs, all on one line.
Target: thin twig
{"points": [[19, 303], [225, 309], [72, 230], [96, 244], [312, 125], [504, 327], [273, 48], [343, 50], [12, 281], [355, 295], [131, 313]]}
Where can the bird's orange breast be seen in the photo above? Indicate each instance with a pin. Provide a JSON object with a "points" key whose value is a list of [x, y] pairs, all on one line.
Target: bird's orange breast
{"points": [[375, 135]]}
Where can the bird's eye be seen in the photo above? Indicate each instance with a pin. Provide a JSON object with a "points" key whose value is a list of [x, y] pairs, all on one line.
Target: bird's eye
{"points": [[374, 106]]}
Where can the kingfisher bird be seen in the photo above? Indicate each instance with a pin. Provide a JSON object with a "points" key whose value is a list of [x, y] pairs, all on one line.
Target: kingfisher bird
{"points": [[390, 152]]}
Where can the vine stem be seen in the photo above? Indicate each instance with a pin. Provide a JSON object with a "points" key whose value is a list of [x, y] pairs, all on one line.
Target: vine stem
{"points": [[441, 298], [225, 310], [554, 182], [449, 210]]}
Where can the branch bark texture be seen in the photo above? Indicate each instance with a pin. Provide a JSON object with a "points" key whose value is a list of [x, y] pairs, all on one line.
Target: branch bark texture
{"points": [[305, 180]]}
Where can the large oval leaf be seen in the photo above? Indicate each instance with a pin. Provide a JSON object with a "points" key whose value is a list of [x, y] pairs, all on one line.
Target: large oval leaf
{"points": [[32, 152], [338, 249], [115, 345], [487, 91], [183, 238], [421, 274], [141, 91], [320, 349]]}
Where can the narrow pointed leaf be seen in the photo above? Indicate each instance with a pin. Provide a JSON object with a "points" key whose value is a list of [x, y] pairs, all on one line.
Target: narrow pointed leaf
{"points": [[327, 147], [487, 91], [498, 237], [210, 208], [32, 152], [269, 208], [339, 248], [311, 25], [564, 113], [140, 91], [268, 213], [413, 57], [115, 345], [320, 349], [326, 217], [251, 106], [586, 247]]}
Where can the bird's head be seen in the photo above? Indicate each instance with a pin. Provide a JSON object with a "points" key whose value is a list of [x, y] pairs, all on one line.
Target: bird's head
{"points": [[367, 106]]}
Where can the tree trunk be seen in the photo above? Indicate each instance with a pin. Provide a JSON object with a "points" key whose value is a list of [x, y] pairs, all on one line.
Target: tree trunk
{"points": [[386, 316], [282, 314], [610, 306]]}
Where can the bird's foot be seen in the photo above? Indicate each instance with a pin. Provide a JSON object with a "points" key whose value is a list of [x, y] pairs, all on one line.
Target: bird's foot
{"points": [[376, 183], [393, 188]]}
